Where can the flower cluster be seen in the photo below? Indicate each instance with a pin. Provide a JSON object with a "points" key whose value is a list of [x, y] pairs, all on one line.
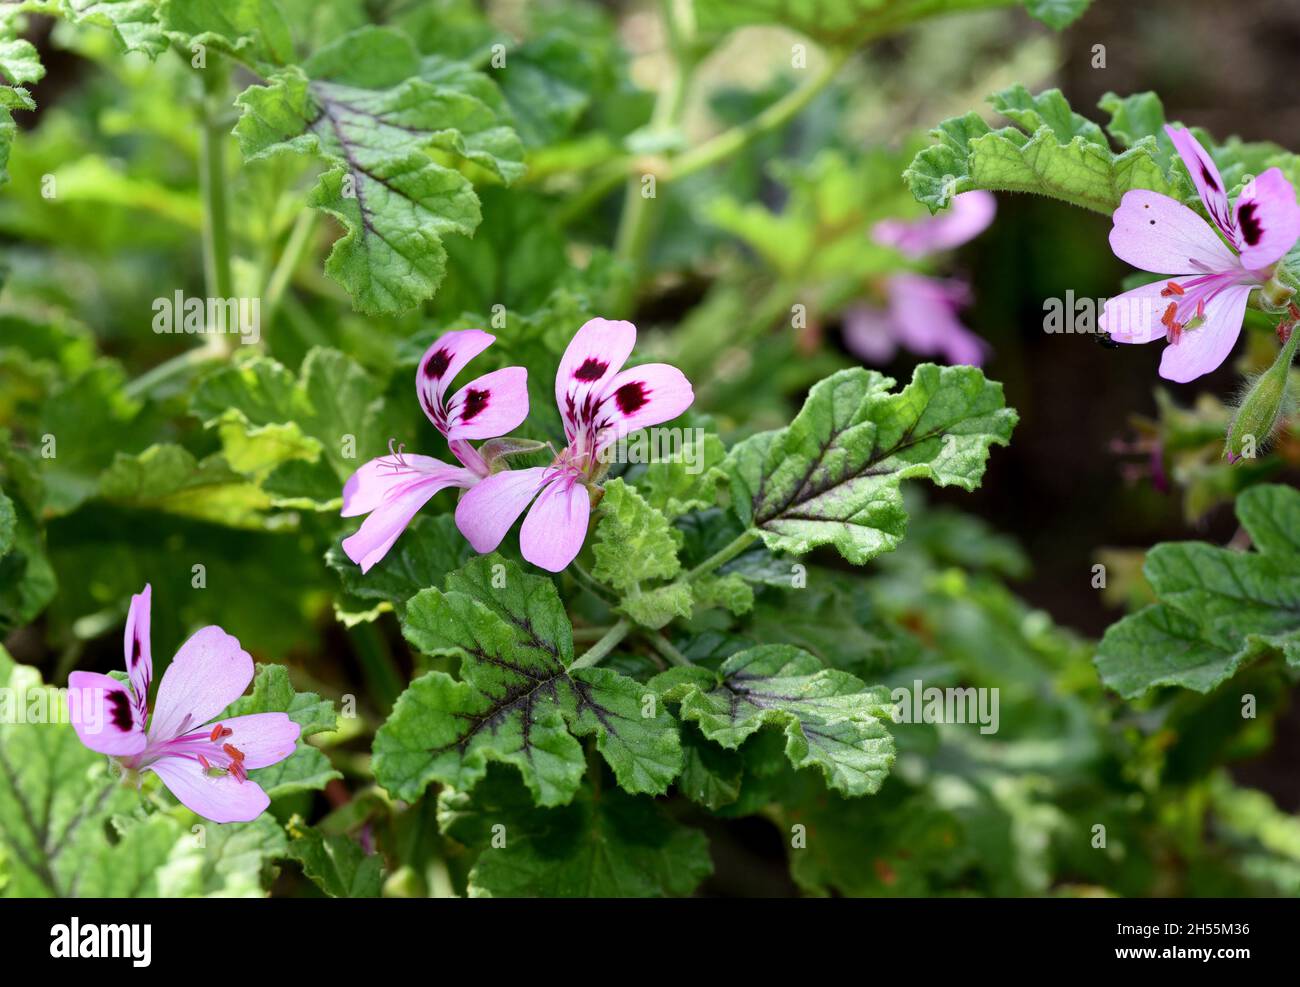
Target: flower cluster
{"points": [[599, 402], [921, 311]]}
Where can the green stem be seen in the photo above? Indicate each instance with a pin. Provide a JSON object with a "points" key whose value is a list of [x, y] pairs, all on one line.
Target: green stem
{"points": [[729, 142], [598, 651], [212, 351], [294, 247], [635, 226], [724, 555], [212, 181], [667, 649]]}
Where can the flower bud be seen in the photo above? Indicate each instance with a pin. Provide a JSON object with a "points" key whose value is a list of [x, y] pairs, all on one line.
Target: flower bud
{"points": [[1258, 416]]}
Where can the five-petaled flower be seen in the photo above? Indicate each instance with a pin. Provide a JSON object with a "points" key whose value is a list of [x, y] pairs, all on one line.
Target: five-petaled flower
{"points": [[392, 488], [599, 403], [202, 760], [1199, 304], [921, 314]]}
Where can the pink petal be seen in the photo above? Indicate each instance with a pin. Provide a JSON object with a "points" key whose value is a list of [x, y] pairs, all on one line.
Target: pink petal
{"points": [[491, 405], [1268, 220], [640, 397], [1209, 183], [1204, 348], [554, 530], [1161, 235], [923, 311], [405, 495], [223, 799], [105, 715], [491, 506], [135, 645], [209, 672], [1134, 316], [441, 363], [263, 738], [969, 215], [869, 334], [375, 481], [595, 354]]}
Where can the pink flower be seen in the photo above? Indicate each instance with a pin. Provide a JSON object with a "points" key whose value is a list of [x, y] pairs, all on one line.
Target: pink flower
{"points": [[204, 764], [921, 314], [1199, 305], [969, 215], [599, 403], [921, 317], [392, 488]]}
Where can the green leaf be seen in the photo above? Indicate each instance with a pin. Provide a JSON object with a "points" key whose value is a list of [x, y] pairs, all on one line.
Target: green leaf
{"points": [[362, 106], [307, 769], [831, 720], [134, 23], [168, 478], [246, 29], [1057, 14], [1218, 609], [299, 437], [677, 486], [832, 477], [1134, 117], [517, 700], [229, 861], [634, 542], [337, 865], [430, 549], [602, 845], [19, 61], [1058, 154]]}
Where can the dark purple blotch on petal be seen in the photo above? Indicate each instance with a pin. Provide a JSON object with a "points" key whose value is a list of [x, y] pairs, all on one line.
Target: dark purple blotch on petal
{"points": [[631, 396], [591, 369], [121, 711], [135, 651], [1250, 228], [1209, 177], [437, 364], [475, 402]]}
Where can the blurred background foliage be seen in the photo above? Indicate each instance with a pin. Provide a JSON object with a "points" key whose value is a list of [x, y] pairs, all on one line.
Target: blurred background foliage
{"points": [[1106, 460]]}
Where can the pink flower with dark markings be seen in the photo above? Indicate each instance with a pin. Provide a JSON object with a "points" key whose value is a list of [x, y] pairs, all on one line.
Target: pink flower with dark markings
{"points": [[600, 403], [921, 311], [392, 488], [202, 761], [1199, 304]]}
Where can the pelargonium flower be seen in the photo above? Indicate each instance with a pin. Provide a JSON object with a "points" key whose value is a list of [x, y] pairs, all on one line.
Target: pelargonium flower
{"points": [[599, 403], [921, 317], [967, 217], [1199, 304], [392, 488], [203, 761], [921, 311]]}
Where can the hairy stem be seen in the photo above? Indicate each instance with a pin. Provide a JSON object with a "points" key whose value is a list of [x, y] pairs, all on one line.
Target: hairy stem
{"points": [[724, 555], [785, 109], [212, 181], [601, 649]]}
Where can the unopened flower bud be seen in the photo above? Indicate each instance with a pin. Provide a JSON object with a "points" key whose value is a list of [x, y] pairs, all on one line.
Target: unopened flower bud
{"points": [[1258, 416]]}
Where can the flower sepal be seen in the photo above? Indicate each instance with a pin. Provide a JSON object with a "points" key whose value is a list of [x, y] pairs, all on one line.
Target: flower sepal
{"points": [[495, 452], [1276, 294], [1257, 418]]}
